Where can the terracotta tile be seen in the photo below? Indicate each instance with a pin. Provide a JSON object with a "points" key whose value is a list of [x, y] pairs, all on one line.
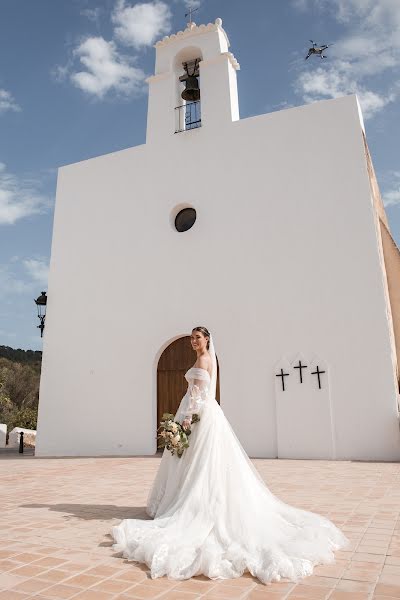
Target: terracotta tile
{"points": [[341, 595], [60, 591], [10, 595], [225, 591], [329, 570], [348, 585], [329, 582], [89, 595], [148, 591], [74, 567], [196, 587], [393, 569], [360, 497], [133, 576], [163, 583], [309, 591], [46, 549], [363, 564], [372, 550], [361, 575], [104, 571], [31, 585], [365, 557], [392, 560], [176, 595], [50, 561], [294, 597], [83, 580], [26, 557], [384, 589], [275, 586], [389, 579], [6, 553], [262, 595], [28, 570], [55, 576], [8, 565], [7, 580], [112, 586]]}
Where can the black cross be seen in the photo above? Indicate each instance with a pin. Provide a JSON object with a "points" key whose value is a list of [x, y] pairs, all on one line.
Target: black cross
{"points": [[283, 375], [318, 372], [300, 366], [189, 14]]}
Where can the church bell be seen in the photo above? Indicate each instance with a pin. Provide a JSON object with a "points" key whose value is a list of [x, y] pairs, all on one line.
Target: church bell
{"points": [[191, 93]]}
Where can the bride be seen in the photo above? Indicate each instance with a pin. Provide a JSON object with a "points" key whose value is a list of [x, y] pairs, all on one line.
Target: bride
{"points": [[212, 512]]}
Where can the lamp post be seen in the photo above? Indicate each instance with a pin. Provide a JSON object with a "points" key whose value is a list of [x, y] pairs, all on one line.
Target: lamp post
{"points": [[41, 303]]}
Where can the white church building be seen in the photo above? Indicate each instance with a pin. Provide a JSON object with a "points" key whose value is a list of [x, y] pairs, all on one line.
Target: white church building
{"points": [[240, 225]]}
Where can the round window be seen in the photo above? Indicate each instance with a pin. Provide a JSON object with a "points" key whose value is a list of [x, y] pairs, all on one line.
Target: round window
{"points": [[185, 219]]}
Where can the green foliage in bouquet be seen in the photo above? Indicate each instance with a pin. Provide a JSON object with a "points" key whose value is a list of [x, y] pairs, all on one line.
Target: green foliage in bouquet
{"points": [[172, 436]]}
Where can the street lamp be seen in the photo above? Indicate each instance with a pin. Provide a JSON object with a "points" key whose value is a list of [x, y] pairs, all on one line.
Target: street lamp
{"points": [[41, 306]]}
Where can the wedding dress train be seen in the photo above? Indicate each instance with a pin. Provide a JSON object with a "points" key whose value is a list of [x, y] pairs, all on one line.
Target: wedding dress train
{"points": [[213, 513]]}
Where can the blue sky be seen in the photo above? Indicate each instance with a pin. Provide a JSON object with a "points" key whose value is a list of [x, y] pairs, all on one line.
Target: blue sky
{"points": [[72, 86]]}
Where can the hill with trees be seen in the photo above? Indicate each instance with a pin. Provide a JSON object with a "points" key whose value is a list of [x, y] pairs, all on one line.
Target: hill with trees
{"points": [[19, 387]]}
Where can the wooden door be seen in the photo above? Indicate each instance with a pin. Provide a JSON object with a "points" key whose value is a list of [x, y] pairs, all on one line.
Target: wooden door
{"points": [[176, 359]]}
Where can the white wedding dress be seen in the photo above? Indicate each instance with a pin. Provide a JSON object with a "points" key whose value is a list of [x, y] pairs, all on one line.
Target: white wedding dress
{"points": [[213, 513]]}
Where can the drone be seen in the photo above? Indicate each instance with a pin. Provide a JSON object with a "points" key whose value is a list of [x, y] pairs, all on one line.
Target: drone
{"points": [[318, 50]]}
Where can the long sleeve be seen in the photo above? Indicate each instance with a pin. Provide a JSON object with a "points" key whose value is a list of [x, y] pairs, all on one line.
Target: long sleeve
{"points": [[197, 391], [196, 394]]}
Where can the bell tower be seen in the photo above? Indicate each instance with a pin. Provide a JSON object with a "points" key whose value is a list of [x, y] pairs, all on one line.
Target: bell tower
{"points": [[194, 84]]}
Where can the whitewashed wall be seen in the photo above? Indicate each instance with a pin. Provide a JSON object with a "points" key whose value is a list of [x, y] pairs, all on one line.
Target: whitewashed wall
{"points": [[283, 260], [3, 434]]}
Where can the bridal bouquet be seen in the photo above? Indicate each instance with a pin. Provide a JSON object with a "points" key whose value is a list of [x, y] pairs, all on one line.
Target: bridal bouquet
{"points": [[172, 435]]}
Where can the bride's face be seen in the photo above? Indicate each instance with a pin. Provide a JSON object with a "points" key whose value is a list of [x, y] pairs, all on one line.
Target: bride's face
{"points": [[198, 341]]}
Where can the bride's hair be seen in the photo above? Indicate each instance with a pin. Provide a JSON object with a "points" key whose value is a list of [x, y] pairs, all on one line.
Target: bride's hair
{"points": [[205, 332]]}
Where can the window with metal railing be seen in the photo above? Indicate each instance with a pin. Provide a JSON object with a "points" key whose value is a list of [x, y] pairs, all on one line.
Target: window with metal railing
{"points": [[187, 116]]}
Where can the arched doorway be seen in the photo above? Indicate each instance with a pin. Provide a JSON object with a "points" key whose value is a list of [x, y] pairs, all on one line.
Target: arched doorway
{"points": [[176, 359]]}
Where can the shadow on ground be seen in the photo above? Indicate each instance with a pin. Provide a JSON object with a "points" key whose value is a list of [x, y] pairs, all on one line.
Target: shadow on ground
{"points": [[99, 512], [13, 452]]}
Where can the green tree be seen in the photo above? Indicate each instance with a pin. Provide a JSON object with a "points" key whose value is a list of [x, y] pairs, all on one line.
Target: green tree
{"points": [[19, 394]]}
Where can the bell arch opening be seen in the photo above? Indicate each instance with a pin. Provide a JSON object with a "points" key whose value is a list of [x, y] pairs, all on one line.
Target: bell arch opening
{"points": [[187, 89], [186, 55], [175, 360]]}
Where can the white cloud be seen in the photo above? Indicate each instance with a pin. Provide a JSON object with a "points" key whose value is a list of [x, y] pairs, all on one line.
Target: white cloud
{"points": [[392, 196], [333, 83], [93, 14], [14, 282], [7, 334], [369, 47], [105, 69], [7, 102], [61, 72], [19, 197], [11, 284], [141, 24], [38, 269], [193, 4]]}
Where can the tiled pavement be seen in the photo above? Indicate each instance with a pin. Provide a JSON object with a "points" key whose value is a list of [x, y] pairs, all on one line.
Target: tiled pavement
{"points": [[56, 514]]}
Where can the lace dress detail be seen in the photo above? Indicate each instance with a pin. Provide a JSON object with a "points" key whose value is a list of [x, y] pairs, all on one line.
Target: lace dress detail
{"points": [[214, 515], [196, 395]]}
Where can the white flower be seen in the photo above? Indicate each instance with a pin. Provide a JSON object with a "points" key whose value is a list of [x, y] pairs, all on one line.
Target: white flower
{"points": [[174, 427], [175, 440]]}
